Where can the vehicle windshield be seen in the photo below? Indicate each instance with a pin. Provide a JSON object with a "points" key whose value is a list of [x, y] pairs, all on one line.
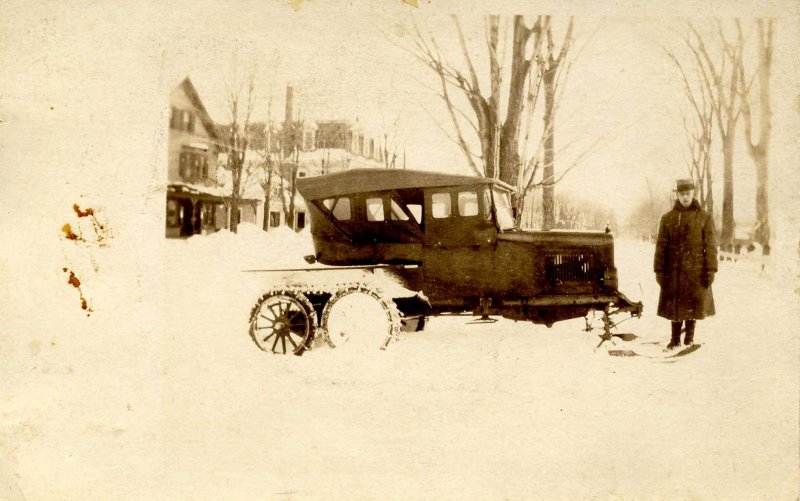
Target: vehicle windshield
{"points": [[502, 208]]}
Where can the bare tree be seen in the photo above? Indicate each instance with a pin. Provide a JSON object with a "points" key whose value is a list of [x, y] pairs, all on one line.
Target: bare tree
{"points": [[644, 218], [759, 150], [391, 147], [240, 100], [721, 78], [576, 213], [267, 164], [266, 186], [699, 133], [291, 145], [534, 61], [550, 66], [294, 166]]}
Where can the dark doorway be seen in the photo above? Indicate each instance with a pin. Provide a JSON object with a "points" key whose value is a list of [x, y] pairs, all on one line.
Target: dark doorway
{"points": [[187, 211], [199, 216]]}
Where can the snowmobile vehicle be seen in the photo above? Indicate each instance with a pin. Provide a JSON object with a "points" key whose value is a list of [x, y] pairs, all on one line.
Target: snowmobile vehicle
{"points": [[449, 245]]}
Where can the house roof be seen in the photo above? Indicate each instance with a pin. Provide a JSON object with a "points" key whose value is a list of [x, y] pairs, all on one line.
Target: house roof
{"points": [[217, 192], [366, 180], [209, 124]]}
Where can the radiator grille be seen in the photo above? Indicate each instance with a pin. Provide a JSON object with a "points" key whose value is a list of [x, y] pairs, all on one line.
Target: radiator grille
{"points": [[570, 268]]}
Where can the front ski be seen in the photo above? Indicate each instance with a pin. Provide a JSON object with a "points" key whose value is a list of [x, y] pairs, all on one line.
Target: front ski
{"points": [[667, 354]]}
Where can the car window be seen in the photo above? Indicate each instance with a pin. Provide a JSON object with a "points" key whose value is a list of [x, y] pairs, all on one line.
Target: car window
{"points": [[467, 203], [375, 209], [440, 205], [397, 213], [416, 211], [341, 210], [503, 209]]}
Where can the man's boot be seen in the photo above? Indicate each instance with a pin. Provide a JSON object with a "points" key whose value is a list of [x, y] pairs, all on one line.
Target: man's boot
{"points": [[689, 339], [675, 341]]}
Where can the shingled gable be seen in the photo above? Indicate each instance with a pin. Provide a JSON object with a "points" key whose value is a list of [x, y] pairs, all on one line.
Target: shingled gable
{"points": [[209, 124], [366, 180]]}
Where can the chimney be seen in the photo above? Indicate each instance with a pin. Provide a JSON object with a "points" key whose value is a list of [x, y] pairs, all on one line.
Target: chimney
{"points": [[289, 104]]}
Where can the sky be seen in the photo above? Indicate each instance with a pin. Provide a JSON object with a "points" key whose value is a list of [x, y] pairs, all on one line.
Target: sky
{"points": [[90, 81], [118, 395]]}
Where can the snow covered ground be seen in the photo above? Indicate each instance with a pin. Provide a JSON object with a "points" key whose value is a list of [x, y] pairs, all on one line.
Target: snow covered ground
{"points": [[159, 393]]}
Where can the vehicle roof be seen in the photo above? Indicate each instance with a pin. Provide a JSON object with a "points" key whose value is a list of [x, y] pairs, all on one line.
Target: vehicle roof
{"points": [[367, 180]]}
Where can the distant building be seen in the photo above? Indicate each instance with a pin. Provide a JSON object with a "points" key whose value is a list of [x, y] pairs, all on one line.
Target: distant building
{"points": [[323, 146], [198, 196], [303, 148], [199, 185]]}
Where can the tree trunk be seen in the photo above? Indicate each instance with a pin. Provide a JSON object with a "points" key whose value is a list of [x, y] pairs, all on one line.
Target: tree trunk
{"points": [[284, 209], [292, 194], [509, 134], [293, 187], [265, 219], [236, 181], [488, 151], [548, 177], [762, 229], [234, 214], [759, 152], [709, 192], [267, 195], [726, 235]]}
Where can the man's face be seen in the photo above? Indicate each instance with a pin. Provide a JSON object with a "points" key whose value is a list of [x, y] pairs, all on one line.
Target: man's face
{"points": [[685, 197]]}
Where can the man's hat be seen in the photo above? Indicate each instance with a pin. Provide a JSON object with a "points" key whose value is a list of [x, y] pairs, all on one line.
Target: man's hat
{"points": [[684, 185]]}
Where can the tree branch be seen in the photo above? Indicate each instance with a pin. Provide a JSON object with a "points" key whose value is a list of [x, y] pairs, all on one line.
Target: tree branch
{"points": [[465, 52]]}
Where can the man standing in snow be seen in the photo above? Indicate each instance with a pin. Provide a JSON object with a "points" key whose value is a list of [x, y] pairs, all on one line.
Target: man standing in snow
{"points": [[685, 263]]}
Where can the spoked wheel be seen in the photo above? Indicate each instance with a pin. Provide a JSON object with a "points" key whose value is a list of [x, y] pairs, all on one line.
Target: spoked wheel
{"points": [[283, 322], [360, 318]]}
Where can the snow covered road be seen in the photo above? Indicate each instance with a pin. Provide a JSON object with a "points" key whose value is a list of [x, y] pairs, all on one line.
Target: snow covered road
{"points": [[162, 392]]}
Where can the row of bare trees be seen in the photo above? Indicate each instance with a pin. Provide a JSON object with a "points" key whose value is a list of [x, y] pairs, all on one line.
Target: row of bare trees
{"points": [[576, 213], [721, 89], [492, 108], [250, 156], [500, 116]]}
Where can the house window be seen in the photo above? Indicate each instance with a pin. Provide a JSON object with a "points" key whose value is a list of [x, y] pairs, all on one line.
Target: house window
{"points": [[173, 213], [300, 221], [187, 121], [440, 205], [208, 215], [174, 119], [274, 219], [183, 165], [182, 119], [193, 165]]}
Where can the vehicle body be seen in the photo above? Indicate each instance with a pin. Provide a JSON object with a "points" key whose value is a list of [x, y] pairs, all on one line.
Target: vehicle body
{"points": [[453, 238]]}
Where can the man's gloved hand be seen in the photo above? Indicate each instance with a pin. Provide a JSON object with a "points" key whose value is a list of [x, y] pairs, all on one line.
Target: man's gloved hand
{"points": [[708, 279], [660, 278]]}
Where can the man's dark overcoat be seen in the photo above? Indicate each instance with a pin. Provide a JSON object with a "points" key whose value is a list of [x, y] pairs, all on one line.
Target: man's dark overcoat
{"points": [[686, 255]]}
